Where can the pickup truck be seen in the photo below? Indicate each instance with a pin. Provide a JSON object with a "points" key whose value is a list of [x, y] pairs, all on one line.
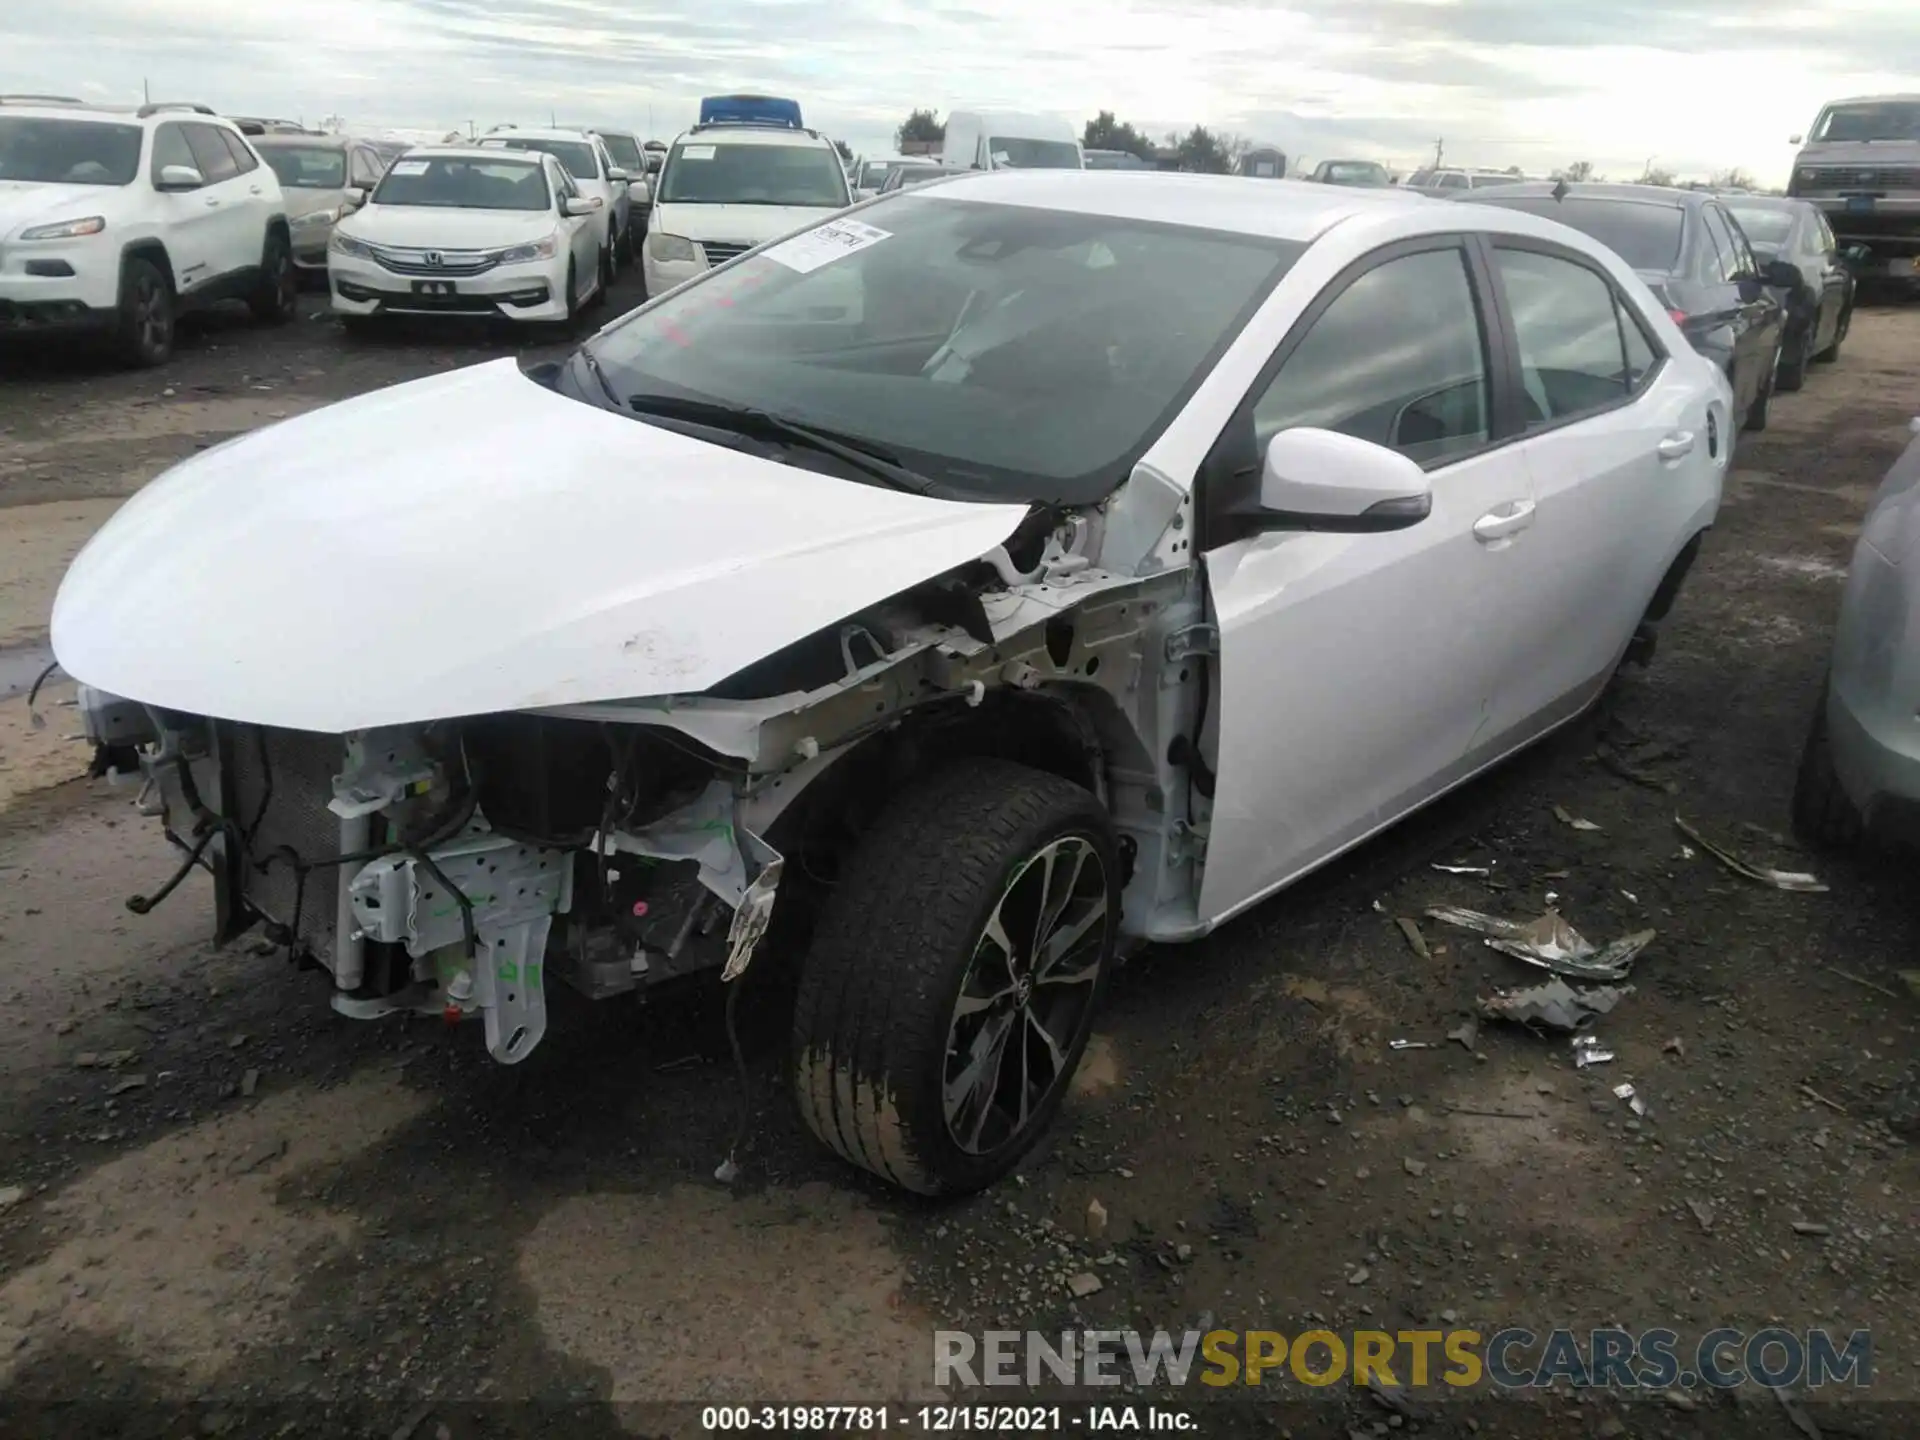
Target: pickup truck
{"points": [[1861, 165]]}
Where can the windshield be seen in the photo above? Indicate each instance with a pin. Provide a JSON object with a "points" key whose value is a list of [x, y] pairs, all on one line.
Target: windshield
{"points": [[311, 167], [1006, 352], [625, 151], [463, 183], [1884, 120], [68, 152], [1646, 236], [874, 173], [734, 173], [1765, 228], [576, 155], [1017, 153], [1356, 172]]}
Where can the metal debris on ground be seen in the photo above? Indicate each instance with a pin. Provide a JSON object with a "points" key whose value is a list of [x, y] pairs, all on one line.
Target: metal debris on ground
{"points": [[1572, 822], [1813, 1094], [1628, 770], [1634, 1103], [1797, 1415], [1811, 1228], [1675, 1046], [1466, 1032], [1550, 943], [1084, 1284], [1587, 1050], [1863, 983], [1794, 880], [1464, 869], [1556, 1004], [1411, 1045], [1411, 929]]}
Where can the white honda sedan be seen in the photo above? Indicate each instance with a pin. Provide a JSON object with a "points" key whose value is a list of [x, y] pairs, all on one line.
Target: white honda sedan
{"points": [[491, 234], [1112, 551]]}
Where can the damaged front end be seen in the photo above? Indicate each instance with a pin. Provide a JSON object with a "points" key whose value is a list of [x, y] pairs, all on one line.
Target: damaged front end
{"points": [[453, 867]]}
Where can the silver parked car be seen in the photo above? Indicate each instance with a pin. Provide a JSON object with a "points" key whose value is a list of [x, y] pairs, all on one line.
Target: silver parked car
{"points": [[323, 177], [1860, 774]]}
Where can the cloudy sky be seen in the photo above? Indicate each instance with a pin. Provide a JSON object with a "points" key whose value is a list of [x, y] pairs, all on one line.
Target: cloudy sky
{"points": [[1699, 84]]}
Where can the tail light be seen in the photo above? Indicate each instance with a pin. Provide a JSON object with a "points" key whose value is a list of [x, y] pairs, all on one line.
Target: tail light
{"points": [[1679, 317]]}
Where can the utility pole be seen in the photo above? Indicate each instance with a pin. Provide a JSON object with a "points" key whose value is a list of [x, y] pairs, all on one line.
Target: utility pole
{"points": [[1439, 152], [146, 90]]}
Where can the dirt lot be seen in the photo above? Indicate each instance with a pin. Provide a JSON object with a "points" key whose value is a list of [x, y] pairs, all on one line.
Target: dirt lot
{"points": [[229, 1198]]}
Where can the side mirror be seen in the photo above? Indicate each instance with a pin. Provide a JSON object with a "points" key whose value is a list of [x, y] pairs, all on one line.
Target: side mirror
{"points": [[1323, 480], [1783, 273], [596, 203], [179, 177], [578, 205], [641, 191], [616, 175], [353, 199], [1796, 139]]}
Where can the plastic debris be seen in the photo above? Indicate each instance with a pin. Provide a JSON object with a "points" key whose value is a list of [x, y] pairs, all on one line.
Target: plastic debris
{"points": [[1411, 929], [726, 1172], [1464, 869], [1572, 822], [1467, 1032], [1634, 1102], [1555, 1004], [1812, 1228], [1411, 1045], [1675, 1046], [1795, 880], [1551, 943], [1587, 1050]]}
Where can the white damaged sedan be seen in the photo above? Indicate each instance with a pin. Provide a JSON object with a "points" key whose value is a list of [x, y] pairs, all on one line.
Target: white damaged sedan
{"points": [[1108, 553]]}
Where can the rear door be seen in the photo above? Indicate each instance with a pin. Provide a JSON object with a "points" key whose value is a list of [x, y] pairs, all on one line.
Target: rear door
{"points": [[1608, 427], [1356, 671]]}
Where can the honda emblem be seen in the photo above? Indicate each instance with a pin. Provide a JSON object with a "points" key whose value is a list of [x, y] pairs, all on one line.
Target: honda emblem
{"points": [[435, 258]]}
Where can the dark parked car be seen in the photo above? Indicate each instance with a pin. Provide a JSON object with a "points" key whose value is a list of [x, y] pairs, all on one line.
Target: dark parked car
{"points": [[1351, 172], [907, 176], [1820, 301], [1692, 255], [1114, 160]]}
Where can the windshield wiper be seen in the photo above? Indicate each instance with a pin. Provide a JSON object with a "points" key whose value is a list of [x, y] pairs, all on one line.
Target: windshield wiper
{"points": [[592, 362], [861, 455]]}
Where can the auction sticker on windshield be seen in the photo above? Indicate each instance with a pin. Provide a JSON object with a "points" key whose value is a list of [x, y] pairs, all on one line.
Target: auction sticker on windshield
{"points": [[696, 152], [826, 243], [409, 167]]}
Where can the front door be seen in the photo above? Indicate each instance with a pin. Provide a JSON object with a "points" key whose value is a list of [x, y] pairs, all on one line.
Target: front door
{"points": [[192, 216], [1355, 671], [237, 232]]}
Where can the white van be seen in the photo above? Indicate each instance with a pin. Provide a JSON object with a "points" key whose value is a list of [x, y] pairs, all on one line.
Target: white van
{"points": [[730, 185], [1003, 140]]}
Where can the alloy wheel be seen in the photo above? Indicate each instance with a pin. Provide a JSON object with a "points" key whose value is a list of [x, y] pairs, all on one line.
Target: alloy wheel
{"points": [[151, 320], [1024, 995]]}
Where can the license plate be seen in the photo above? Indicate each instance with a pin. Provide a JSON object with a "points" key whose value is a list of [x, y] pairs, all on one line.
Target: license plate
{"points": [[1858, 203], [434, 287]]}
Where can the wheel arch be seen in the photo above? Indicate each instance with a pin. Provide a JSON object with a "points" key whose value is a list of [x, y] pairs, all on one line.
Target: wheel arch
{"points": [[153, 250]]}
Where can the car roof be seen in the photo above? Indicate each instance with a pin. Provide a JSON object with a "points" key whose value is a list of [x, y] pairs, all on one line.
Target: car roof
{"points": [[1280, 209], [727, 131], [48, 107], [1905, 97], [533, 132], [1768, 202], [471, 152], [305, 140], [1596, 190]]}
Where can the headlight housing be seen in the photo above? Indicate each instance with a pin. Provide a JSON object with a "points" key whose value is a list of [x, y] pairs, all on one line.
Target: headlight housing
{"points": [[347, 245], [539, 250], [66, 229], [665, 249], [314, 217]]}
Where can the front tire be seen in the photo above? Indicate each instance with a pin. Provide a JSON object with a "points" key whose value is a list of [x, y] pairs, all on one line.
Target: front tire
{"points": [[144, 336], [1792, 372], [954, 976], [1824, 816]]}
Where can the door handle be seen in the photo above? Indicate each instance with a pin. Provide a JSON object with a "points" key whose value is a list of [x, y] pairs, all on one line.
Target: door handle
{"points": [[1508, 519], [1676, 446], [212, 200], [253, 189]]}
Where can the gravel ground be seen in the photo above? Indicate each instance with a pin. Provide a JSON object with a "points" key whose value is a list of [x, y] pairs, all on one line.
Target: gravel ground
{"points": [[237, 1213]]}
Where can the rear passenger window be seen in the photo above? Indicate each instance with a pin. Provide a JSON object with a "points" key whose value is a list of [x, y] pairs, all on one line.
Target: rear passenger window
{"points": [[242, 154], [1641, 355], [210, 153], [1397, 358], [1572, 354]]}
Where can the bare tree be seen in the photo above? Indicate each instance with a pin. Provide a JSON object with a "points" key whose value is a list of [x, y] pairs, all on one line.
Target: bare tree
{"points": [[1734, 179], [1655, 175], [1579, 170]]}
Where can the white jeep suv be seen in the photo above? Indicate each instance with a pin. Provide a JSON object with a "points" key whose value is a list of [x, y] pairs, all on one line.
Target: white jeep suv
{"points": [[116, 220]]}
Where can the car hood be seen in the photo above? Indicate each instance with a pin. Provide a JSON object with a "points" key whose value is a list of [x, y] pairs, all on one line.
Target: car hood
{"points": [[473, 543], [445, 228], [748, 224], [23, 203]]}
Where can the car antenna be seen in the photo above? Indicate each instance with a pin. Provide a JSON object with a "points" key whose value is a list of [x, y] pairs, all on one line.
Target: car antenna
{"points": [[1559, 191]]}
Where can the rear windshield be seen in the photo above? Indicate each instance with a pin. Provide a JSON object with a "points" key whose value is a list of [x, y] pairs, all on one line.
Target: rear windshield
{"points": [[625, 152], [1646, 236], [458, 183], [1354, 172], [1014, 153], [68, 152], [576, 155], [1765, 227], [732, 173], [1883, 120], [310, 167]]}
